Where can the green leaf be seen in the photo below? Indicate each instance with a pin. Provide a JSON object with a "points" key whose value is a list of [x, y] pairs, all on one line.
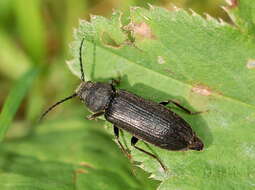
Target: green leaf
{"points": [[205, 65], [242, 12], [14, 99], [65, 155]]}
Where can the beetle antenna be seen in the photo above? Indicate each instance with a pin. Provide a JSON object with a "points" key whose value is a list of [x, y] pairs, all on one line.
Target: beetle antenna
{"points": [[54, 105], [80, 58]]}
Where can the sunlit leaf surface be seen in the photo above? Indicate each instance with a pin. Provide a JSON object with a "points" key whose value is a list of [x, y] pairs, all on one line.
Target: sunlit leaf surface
{"points": [[205, 64]]}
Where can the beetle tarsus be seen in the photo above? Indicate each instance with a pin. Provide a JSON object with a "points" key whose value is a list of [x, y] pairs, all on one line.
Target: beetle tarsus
{"points": [[134, 140]]}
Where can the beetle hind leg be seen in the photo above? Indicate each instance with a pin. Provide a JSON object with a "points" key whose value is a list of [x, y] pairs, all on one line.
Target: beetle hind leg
{"points": [[180, 106], [134, 140]]}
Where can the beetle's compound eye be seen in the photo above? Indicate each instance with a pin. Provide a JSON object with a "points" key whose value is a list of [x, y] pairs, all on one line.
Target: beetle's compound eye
{"points": [[196, 144]]}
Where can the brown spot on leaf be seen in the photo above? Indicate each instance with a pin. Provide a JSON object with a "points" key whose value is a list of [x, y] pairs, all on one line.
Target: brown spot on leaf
{"points": [[232, 3], [202, 90], [141, 30], [86, 165], [250, 64], [81, 171]]}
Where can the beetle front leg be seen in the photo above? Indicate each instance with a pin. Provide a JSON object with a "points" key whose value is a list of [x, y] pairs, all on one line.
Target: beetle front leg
{"points": [[180, 106], [95, 115], [115, 82], [134, 140]]}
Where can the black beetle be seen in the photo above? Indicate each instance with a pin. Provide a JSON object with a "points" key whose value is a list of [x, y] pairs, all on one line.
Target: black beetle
{"points": [[144, 119]]}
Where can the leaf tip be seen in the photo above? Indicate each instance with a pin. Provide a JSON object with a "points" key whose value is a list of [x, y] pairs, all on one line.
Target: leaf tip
{"points": [[151, 7], [232, 3], [134, 8], [208, 17], [175, 8], [93, 17], [193, 13], [222, 22]]}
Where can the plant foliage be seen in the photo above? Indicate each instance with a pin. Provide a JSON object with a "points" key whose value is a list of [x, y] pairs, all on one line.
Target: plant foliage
{"points": [[205, 64]]}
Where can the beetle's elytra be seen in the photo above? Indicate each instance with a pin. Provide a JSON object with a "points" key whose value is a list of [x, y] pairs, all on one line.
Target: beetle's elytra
{"points": [[146, 120]]}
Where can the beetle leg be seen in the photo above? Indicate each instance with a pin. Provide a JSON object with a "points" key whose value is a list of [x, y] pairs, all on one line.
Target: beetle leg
{"points": [[116, 134], [115, 82], [134, 140], [180, 106], [95, 115]]}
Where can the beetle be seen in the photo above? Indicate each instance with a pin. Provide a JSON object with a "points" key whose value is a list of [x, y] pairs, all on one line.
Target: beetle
{"points": [[147, 120]]}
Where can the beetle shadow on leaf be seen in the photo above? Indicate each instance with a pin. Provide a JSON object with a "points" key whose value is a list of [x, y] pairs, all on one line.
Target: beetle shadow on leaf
{"points": [[197, 122]]}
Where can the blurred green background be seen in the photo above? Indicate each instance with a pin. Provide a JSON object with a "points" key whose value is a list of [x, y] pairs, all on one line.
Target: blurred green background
{"points": [[38, 33]]}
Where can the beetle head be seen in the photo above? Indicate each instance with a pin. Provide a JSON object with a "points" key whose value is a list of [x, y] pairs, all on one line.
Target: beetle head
{"points": [[95, 95]]}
